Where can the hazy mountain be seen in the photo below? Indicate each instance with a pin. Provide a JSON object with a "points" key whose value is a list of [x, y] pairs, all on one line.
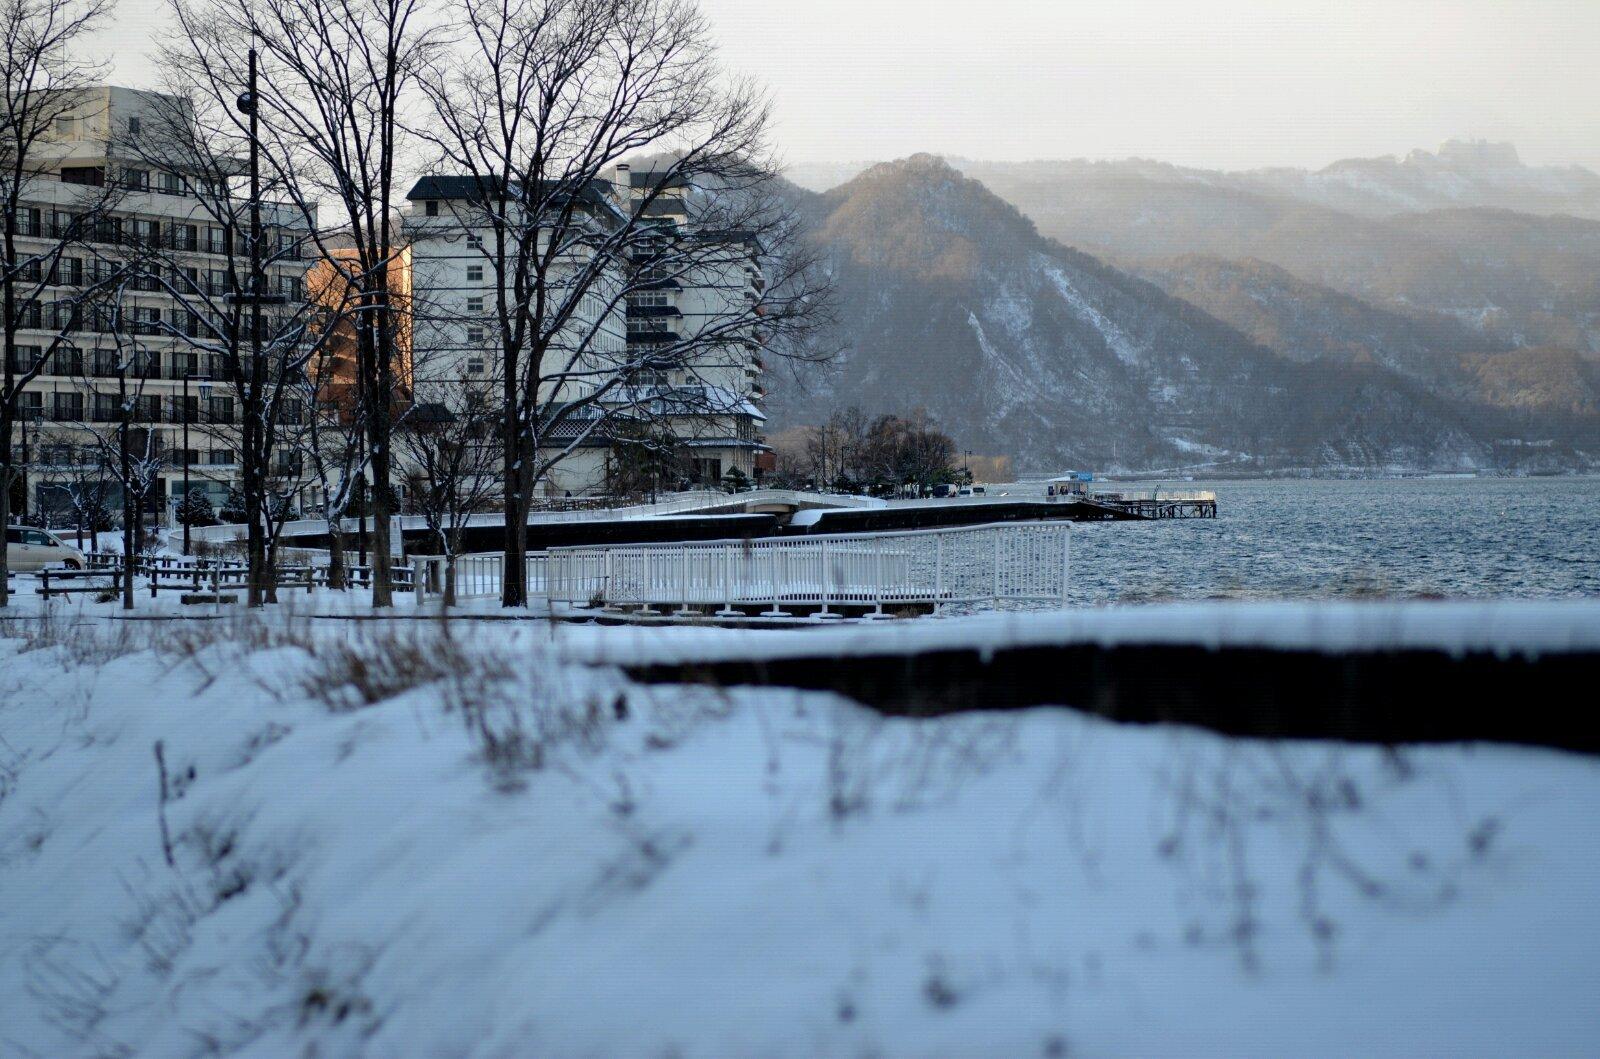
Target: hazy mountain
{"points": [[952, 300], [1554, 388], [1304, 321], [1462, 173], [1515, 278]]}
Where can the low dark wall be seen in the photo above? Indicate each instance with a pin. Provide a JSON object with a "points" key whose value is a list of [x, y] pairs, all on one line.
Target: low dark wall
{"points": [[867, 520], [1370, 697], [559, 534]]}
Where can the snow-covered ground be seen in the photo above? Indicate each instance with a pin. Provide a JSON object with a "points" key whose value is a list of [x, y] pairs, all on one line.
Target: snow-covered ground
{"points": [[388, 839]]}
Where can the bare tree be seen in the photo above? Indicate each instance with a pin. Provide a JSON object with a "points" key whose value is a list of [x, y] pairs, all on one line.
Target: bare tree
{"points": [[335, 438], [115, 373], [43, 83], [256, 358], [79, 480], [452, 446], [334, 78], [534, 108]]}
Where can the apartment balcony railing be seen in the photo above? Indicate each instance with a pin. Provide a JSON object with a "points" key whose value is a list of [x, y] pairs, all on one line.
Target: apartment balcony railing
{"points": [[167, 237]]}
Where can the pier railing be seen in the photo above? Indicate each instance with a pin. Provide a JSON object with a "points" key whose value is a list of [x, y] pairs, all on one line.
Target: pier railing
{"points": [[829, 573], [848, 571]]}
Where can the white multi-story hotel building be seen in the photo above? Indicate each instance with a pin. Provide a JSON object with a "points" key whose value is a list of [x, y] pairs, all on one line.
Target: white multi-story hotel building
{"points": [[708, 401], [712, 398], [455, 341], [139, 351]]}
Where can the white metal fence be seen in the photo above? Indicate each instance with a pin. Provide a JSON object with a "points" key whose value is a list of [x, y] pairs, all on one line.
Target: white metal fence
{"points": [[989, 564], [477, 576], [976, 564]]}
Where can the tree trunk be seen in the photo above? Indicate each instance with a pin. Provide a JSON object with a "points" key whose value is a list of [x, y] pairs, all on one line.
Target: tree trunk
{"points": [[270, 570], [336, 574], [5, 511], [255, 546], [382, 567], [127, 518]]}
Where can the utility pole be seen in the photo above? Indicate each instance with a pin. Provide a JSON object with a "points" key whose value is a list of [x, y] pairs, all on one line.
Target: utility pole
{"points": [[256, 430]]}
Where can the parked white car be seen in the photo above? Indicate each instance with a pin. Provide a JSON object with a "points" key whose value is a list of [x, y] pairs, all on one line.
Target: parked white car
{"points": [[28, 548]]}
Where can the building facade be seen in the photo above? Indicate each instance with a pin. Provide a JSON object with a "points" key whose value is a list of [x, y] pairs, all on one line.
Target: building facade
{"points": [[704, 296], [133, 355], [706, 404]]}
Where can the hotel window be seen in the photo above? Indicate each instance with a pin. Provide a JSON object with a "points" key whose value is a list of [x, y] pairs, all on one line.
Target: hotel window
{"points": [[474, 365], [475, 305], [475, 334], [474, 273], [68, 406]]}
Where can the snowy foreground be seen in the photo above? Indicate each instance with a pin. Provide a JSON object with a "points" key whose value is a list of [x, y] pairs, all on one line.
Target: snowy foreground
{"points": [[390, 841]]}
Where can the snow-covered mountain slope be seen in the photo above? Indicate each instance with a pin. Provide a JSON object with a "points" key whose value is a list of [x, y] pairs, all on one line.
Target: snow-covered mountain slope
{"points": [[952, 301], [1461, 173], [510, 856]]}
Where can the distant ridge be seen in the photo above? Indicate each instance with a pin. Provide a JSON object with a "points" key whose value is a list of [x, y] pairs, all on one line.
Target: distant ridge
{"points": [[951, 299]]}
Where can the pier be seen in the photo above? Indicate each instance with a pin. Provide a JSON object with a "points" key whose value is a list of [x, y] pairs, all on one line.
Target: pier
{"points": [[1157, 503], [760, 514]]}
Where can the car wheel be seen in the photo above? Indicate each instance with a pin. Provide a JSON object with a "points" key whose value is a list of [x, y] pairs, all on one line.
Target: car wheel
{"points": [[74, 564]]}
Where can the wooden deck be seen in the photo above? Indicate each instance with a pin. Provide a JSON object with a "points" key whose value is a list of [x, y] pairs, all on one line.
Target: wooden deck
{"points": [[1158, 507]]}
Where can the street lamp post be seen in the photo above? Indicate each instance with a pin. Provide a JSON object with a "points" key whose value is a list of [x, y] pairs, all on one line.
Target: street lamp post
{"points": [[27, 414]]}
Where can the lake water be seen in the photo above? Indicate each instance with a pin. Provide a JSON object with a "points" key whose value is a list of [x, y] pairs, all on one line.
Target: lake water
{"points": [[1475, 538]]}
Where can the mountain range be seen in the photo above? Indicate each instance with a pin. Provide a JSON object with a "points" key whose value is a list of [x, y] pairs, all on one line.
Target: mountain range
{"points": [[1140, 316]]}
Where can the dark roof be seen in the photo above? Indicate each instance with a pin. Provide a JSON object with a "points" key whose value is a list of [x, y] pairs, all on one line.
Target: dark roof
{"points": [[650, 178], [429, 412], [452, 187], [597, 191]]}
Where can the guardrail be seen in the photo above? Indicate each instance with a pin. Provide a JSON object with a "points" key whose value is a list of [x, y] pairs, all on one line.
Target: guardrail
{"points": [[825, 574], [477, 576], [848, 571]]}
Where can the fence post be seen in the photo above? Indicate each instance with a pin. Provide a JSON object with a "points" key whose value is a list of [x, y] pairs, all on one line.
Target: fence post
{"points": [[995, 590], [649, 586], [419, 584], [825, 579], [1066, 561], [938, 573], [684, 556], [877, 578], [772, 577]]}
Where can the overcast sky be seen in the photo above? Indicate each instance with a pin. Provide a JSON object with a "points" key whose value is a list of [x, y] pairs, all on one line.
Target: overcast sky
{"points": [[1231, 83]]}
